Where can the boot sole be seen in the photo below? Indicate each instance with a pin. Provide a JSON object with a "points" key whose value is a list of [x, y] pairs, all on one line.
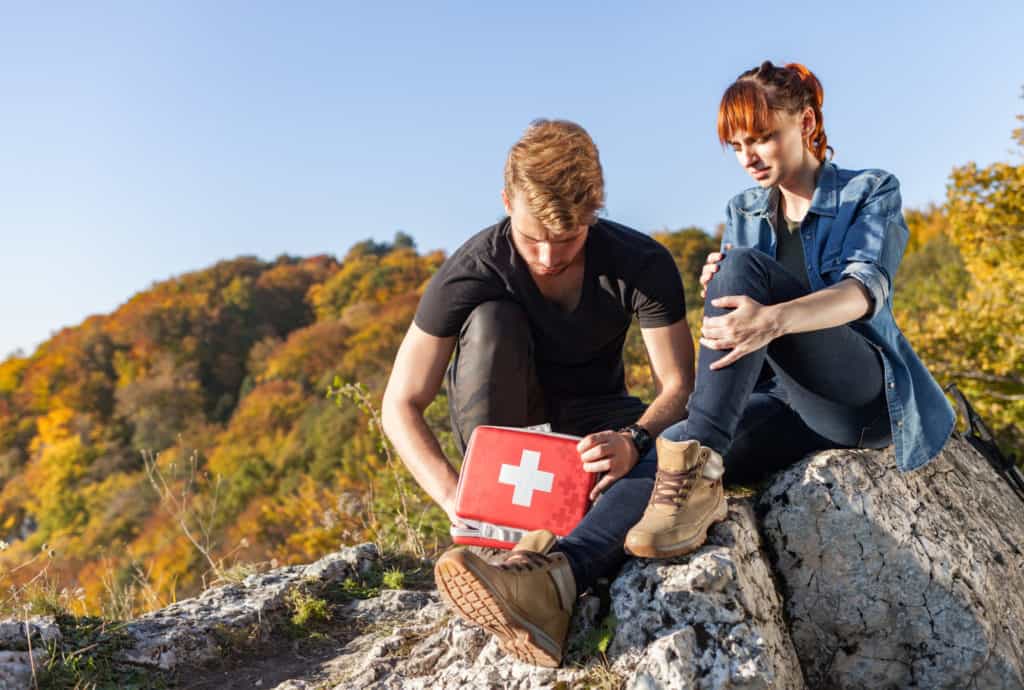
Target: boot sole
{"points": [[469, 595], [686, 546]]}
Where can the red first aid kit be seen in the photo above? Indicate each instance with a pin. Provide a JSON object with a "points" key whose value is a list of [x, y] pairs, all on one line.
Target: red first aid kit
{"points": [[516, 480]]}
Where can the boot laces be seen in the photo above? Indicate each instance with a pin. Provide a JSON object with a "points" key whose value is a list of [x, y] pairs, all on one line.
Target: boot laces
{"points": [[672, 488], [525, 561]]}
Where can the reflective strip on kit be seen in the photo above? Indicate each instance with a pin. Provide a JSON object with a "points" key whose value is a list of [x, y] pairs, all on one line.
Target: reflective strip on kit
{"points": [[486, 530]]}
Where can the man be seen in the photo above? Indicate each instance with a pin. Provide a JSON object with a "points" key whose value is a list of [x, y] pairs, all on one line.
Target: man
{"points": [[536, 309]]}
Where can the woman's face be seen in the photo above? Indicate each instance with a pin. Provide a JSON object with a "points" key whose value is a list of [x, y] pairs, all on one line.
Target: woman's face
{"points": [[775, 156]]}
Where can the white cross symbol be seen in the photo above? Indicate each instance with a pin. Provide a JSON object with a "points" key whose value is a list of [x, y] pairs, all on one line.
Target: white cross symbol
{"points": [[527, 478]]}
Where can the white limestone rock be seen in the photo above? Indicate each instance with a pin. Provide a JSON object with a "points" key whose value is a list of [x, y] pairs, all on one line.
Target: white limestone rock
{"points": [[191, 632], [15, 634], [39, 633], [900, 579], [710, 620], [16, 668]]}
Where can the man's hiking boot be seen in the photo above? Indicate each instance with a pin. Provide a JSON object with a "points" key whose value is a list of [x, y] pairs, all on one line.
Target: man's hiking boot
{"points": [[526, 600], [687, 499]]}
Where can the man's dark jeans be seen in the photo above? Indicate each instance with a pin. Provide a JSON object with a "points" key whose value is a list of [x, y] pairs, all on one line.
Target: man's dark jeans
{"points": [[825, 390], [492, 380]]}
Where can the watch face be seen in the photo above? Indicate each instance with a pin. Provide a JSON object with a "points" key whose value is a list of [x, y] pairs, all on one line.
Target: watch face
{"points": [[641, 439]]}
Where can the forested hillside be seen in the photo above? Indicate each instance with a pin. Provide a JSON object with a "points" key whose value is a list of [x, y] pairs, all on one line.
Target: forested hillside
{"points": [[189, 436]]}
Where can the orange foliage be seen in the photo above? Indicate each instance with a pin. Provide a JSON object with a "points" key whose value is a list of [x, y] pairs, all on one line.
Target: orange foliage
{"points": [[228, 365], [306, 355]]}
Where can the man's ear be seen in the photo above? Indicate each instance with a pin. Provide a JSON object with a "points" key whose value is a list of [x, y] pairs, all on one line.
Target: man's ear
{"points": [[506, 203]]}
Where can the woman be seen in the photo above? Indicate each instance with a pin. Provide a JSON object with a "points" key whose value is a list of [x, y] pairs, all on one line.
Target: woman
{"points": [[799, 349]]}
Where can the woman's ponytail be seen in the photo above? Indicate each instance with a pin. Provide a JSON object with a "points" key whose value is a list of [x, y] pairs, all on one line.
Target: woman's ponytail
{"points": [[814, 97]]}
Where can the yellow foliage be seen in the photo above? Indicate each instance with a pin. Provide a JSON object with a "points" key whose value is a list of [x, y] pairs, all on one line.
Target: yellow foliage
{"points": [[11, 370], [978, 341], [924, 225], [52, 428], [304, 525]]}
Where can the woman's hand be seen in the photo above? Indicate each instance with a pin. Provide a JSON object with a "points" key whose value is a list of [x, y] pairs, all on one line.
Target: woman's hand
{"points": [[748, 327], [710, 268], [609, 452]]}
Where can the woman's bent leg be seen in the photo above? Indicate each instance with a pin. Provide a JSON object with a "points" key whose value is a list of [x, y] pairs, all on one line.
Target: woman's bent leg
{"points": [[770, 437], [833, 377], [720, 395]]}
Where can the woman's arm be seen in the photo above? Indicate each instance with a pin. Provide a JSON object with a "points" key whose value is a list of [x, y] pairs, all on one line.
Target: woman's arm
{"points": [[846, 301], [751, 325]]}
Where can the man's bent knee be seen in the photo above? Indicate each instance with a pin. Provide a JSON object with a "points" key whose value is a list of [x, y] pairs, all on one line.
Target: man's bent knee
{"points": [[492, 324]]}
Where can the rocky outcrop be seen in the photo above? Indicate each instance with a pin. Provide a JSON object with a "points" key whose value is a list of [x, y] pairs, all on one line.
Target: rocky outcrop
{"points": [[192, 632], [24, 647], [710, 620], [851, 575], [900, 580]]}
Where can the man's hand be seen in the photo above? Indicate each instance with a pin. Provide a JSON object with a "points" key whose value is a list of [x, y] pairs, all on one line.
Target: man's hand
{"points": [[609, 452], [456, 520], [710, 269], [449, 509], [748, 327]]}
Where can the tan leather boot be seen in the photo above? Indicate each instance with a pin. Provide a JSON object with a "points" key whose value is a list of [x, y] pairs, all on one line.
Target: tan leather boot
{"points": [[686, 500], [526, 601]]}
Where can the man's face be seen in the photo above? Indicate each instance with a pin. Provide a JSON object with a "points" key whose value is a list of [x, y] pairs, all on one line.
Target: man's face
{"points": [[545, 254]]}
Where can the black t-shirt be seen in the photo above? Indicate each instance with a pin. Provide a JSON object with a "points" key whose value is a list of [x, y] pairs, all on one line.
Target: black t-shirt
{"points": [[578, 352], [789, 248]]}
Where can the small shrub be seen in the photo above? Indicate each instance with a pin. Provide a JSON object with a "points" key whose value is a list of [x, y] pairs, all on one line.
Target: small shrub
{"points": [[306, 608], [359, 590], [393, 578]]}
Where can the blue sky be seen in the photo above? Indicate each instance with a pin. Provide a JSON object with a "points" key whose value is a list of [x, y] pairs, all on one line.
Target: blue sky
{"points": [[142, 140]]}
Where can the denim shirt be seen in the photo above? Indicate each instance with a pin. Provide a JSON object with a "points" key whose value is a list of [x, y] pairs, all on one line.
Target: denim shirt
{"points": [[855, 229]]}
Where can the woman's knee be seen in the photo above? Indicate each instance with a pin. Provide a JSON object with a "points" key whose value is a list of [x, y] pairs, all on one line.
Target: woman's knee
{"points": [[737, 263]]}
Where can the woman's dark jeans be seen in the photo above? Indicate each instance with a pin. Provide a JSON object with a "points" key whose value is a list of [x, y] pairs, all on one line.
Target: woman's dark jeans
{"points": [[823, 389], [801, 393]]}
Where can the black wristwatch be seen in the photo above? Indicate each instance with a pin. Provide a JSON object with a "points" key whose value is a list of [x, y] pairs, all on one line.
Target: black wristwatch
{"points": [[641, 438]]}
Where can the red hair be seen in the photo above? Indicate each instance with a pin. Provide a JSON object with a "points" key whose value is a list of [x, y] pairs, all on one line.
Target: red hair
{"points": [[748, 104]]}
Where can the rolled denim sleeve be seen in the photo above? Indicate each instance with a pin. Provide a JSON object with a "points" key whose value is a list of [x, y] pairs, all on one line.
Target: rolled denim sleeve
{"points": [[875, 282]]}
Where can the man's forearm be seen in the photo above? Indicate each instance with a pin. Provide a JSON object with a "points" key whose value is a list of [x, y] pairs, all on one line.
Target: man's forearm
{"points": [[421, 453], [667, 408]]}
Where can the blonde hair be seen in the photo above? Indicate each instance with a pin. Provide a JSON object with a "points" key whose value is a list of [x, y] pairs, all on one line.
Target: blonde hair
{"points": [[556, 170]]}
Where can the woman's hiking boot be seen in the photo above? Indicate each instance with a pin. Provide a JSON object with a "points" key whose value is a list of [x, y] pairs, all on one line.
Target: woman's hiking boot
{"points": [[687, 499], [526, 601]]}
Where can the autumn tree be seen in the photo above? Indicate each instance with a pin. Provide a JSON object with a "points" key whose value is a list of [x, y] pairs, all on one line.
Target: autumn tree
{"points": [[973, 334]]}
